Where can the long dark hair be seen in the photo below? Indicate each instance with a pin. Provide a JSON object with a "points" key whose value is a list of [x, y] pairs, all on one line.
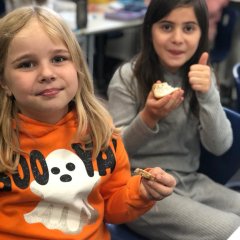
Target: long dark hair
{"points": [[147, 68]]}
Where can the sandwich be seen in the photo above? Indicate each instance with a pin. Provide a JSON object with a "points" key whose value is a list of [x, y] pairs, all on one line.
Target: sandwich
{"points": [[144, 174], [162, 89]]}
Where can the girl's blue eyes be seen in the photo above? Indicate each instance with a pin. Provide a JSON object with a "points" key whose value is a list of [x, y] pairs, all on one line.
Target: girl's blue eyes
{"points": [[31, 64], [59, 59], [26, 65]]}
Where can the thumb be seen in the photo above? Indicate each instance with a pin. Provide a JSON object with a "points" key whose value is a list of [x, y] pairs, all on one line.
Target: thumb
{"points": [[204, 58]]}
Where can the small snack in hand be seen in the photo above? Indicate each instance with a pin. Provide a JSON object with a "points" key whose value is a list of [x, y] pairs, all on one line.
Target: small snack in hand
{"points": [[144, 174], [162, 89]]}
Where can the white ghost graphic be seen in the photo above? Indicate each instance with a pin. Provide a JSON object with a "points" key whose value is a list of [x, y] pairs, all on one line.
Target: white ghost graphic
{"points": [[64, 204]]}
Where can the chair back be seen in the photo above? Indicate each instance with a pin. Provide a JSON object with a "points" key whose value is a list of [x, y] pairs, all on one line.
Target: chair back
{"points": [[2, 8], [222, 168], [236, 77], [122, 232]]}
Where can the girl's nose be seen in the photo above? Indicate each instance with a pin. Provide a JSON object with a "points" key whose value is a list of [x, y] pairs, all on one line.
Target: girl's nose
{"points": [[177, 36], [47, 79], [46, 73]]}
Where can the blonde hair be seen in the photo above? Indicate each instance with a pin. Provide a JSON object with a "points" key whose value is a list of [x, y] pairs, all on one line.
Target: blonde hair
{"points": [[94, 122]]}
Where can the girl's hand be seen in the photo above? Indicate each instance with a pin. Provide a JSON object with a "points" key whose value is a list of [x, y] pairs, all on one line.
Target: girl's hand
{"points": [[200, 75], [157, 109], [160, 188]]}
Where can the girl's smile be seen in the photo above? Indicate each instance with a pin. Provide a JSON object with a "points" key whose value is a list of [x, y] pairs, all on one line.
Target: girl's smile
{"points": [[40, 74], [175, 37], [49, 92]]}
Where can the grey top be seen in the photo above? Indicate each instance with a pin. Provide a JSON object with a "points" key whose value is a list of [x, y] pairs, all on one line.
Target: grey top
{"points": [[174, 144]]}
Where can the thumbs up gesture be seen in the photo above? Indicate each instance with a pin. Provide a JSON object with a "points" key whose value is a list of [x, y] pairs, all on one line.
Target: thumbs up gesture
{"points": [[200, 74]]}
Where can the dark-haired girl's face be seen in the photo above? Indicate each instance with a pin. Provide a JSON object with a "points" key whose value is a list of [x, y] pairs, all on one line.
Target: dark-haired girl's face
{"points": [[176, 37]]}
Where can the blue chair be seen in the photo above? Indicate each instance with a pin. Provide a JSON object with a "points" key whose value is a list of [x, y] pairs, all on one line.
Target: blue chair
{"points": [[222, 168], [236, 76], [122, 232], [219, 168], [2, 8]]}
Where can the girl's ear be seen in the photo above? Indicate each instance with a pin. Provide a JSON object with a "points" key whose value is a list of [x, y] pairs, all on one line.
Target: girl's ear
{"points": [[5, 88]]}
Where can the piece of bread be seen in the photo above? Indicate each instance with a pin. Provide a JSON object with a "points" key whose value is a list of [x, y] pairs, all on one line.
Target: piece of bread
{"points": [[162, 89], [144, 174]]}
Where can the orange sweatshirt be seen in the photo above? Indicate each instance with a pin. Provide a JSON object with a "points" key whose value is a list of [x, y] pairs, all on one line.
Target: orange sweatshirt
{"points": [[60, 192]]}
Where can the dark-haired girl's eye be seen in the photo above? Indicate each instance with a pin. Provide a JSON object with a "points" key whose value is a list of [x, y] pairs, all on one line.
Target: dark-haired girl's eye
{"points": [[166, 27], [190, 28]]}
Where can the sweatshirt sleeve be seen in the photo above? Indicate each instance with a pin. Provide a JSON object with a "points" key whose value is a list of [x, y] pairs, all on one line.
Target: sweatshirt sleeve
{"points": [[215, 128], [124, 104], [123, 202]]}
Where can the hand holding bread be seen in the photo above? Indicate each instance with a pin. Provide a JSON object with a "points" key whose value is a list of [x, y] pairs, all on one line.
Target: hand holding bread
{"points": [[158, 105], [156, 184]]}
